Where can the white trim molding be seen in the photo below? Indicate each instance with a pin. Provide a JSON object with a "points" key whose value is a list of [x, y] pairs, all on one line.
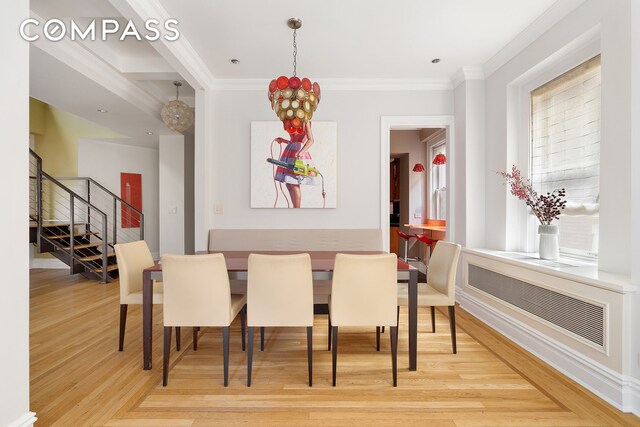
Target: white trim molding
{"points": [[542, 24], [465, 73], [342, 84], [26, 420], [631, 396]]}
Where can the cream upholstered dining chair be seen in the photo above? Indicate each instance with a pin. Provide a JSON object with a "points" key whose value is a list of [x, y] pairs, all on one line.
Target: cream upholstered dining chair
{"points": [[196, 294], [279, 293], [440, 287], [364, 293], [133, 258]]}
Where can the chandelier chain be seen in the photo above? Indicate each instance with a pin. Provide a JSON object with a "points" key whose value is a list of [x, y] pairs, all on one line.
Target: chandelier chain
{"points": [[295, 52]]}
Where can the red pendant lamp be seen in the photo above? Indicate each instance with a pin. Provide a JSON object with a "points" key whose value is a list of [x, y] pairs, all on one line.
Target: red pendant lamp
{"points": [[294, 100], [419, 167], [440, 159]]}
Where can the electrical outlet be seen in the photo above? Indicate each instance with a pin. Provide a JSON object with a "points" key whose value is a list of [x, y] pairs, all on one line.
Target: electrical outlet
{"points": [[417, 215], [173, 210], [218, 209]]}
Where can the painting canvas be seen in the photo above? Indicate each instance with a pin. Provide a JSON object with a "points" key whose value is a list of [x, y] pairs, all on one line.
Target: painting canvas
{"points": [[279, 182], [130, 192]]}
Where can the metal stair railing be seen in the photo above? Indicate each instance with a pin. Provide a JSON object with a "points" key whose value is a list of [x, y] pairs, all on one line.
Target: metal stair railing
{"points": [[54, 203]]}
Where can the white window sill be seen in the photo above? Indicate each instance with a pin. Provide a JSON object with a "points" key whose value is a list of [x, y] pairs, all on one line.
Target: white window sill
{"points": [[568, 268]]}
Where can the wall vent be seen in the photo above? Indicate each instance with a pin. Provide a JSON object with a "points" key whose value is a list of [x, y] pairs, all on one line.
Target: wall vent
{"points": [[574, 315]]}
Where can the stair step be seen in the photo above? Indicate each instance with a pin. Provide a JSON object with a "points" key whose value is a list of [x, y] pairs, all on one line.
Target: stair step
{"points": [[97, 257], [66, 236], [32, 224], [86, 245], [109, 268]]}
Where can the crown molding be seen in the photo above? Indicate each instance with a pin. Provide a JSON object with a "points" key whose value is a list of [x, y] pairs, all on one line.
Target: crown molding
{"points": [[542, 24], [469, 72], [180, 54], [344, 84]]}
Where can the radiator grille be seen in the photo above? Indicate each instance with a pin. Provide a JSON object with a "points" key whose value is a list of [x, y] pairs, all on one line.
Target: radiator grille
{"points": [[579, 317]]}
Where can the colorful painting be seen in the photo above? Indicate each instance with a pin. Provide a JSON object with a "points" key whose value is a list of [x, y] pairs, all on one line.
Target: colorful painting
{"points": [[293, 170], [130, 192]]}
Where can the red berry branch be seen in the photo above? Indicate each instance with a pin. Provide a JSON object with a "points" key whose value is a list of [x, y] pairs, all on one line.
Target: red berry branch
{"points": [[546, 207]]}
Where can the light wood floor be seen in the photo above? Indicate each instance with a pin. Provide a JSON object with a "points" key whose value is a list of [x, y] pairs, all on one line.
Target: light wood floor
{"points": [[79, 378]]}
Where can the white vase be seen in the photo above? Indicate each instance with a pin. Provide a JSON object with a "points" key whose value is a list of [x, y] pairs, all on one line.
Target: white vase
{"points": [[549, 242]]}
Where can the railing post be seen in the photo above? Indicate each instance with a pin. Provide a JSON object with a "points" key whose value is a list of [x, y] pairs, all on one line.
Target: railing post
{"points": [[141, 226], [105, 246], [115, 221], [39, 200], [88, 225], [72, 237]]}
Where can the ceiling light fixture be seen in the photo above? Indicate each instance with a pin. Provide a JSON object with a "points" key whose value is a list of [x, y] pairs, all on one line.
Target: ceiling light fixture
{"points": [[102, 110], [419, 167], [149, 133], [177, 115], [435, 60], [294, 100], [234, 61], [440, 159]]}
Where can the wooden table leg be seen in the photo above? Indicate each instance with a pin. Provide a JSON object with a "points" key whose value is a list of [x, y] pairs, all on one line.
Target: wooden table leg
{"points": [[147, 318], [413, 319]]}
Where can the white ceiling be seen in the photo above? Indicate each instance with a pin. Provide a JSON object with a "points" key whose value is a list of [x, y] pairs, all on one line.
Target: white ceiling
{"points": [[351, 39], [355, 39]]}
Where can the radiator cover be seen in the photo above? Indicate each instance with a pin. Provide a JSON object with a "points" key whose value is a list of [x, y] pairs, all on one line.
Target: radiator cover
{"points": [[574, 315]]}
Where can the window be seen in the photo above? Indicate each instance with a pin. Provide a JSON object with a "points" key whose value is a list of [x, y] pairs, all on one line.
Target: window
{"points": [[565, 151], [438, 183]]}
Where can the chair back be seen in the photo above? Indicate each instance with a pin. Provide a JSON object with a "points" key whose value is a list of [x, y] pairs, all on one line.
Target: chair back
{"points": [[441, 274], [132, 259], [196, 290], [364, 290], [279, 290]]}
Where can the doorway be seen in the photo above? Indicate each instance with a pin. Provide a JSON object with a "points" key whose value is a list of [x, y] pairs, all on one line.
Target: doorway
{"points": [[389, 123]]}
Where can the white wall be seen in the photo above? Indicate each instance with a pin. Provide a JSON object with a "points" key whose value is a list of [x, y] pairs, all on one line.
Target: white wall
{"points": [[619, 157], [14, 304], [172, 186], [104, 161], [357, 114]]}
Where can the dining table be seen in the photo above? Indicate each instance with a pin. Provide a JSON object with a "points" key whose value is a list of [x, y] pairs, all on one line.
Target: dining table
{"points": [[322, 263]]}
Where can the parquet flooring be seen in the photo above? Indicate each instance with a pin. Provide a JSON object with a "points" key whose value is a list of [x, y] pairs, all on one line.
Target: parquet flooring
{"points": [[79, 378]]}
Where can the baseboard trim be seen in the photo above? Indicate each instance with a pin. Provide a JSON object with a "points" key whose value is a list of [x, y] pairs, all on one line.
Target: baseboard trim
{"points": [[619, 390], [632, 396], [53, 263], [26, 420]]}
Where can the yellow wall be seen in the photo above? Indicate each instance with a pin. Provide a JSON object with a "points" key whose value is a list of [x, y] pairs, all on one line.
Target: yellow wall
{"points": [[56, 137]]}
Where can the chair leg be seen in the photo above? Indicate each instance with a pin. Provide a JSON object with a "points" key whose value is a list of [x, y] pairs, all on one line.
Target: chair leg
{"points": [[329, 335], [243, 324], [262, 338], [225, 354], [452, 322], [123, 323], [406, 249], [377, 338], [433, 319], [398, 316], [310, 353], [250, 356], [394, 354], [177, 338], [334, 354], [166, 355], [195, 338], [383, 329]]}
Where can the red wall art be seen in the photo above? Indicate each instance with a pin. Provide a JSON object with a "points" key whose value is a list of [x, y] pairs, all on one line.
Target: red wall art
{"points": [[131, 192]]}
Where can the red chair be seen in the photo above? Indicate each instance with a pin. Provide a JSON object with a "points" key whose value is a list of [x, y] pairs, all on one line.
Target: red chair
{"points": [[406, 238], [427, 241]]}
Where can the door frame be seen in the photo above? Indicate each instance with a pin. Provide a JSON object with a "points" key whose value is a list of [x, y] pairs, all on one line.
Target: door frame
{"points": [[389, 123]]}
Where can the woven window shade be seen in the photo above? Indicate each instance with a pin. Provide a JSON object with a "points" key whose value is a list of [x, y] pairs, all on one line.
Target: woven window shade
{"points": [[565, 137]]}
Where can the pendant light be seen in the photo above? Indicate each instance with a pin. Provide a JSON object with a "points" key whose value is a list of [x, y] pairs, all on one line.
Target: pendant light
{"points": [[177, 115], [440, 159], [294, 100]]}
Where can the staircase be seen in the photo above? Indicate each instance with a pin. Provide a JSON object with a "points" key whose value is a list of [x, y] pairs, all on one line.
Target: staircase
{"points": [[79, 221]]}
